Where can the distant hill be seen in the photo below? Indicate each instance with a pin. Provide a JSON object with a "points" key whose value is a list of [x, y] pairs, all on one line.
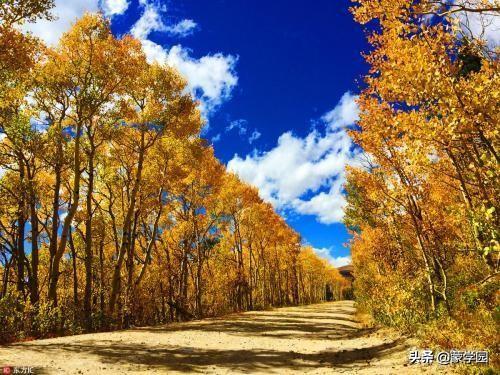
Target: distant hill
{"points": [[347, 271]]}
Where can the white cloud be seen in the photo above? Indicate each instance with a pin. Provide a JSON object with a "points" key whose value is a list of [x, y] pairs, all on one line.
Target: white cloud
{"points": [[306, 174], [334, 261], [478, 25], [216, 138], [481, 25], [328, 207], [114, 7], [153, 51], [210, 78], [150, 20], [254, 136], [240, 125], [66, 13], [345, 113], [341, 261], [183, 28]]}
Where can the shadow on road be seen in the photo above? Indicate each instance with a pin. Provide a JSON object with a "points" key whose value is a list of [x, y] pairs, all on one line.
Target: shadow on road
{"points": [[281, 340], [198, 360]]}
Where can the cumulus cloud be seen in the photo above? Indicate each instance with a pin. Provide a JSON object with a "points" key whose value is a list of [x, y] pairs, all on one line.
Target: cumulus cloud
{"points": [[327, 207], [215, 138], [183, 28], [345, 113], [66, 12], [477, 25], [115, 7], [254, 136], [149, 21], [240, 125], [210, 78], [306, 175], [326, 253], [484, 26]]}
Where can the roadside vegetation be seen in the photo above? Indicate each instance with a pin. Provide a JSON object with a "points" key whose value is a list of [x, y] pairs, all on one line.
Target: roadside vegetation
{"points": [[423, 207], [114, 211]]}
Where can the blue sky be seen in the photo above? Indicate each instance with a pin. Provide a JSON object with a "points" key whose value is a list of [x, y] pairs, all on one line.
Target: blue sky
{"points": [[277, 82]]}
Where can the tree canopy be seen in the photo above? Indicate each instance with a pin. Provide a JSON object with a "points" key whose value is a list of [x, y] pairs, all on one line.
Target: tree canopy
{"points": [[114, 210], [424, 207]]}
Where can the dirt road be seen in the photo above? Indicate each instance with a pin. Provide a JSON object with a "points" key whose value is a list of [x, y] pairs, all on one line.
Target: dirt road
{"points": [[315, 339]]}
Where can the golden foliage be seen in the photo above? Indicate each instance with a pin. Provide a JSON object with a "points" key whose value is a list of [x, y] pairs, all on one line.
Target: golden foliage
{"points": [[425, 209], [114, 211]]}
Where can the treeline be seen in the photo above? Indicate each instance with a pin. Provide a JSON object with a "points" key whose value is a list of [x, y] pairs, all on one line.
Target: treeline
{"points": [[113, 210], [424, 208]]}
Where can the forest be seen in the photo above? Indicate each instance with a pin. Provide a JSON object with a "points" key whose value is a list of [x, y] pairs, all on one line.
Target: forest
{"points": [[424, 206], [114, 211]]}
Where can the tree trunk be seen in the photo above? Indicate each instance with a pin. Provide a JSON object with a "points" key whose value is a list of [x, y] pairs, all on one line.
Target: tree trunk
{"points": [[54, 272], [34, 294], [125, 241], [87, 305], [101, 276], [21, 227], [151, 243], [75, 269], [5, 281], [55, 202], [199, 287]]}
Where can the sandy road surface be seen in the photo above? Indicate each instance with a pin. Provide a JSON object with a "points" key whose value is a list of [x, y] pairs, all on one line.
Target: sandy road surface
{"points": [[316, 339]]}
